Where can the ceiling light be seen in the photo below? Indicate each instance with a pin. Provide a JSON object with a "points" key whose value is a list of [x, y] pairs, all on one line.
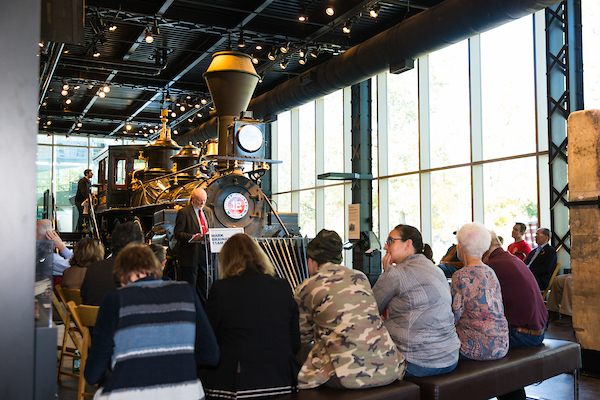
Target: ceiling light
{"points": [[190, 120], [128, 127], [176, 131], [196, 105], [148, 36], [101, 94], [347, 27], [49, 136], [261, 77], [65, 86], [44, 104], [329, 11], [272, 55], [182, 108], [241, 41], [203, 101], [48, 122], [90, 86], [199, 115], [284, 49], [374, 13], [145, 135], [302, 52], [188, 97], [79, 124], [314, 53], [254, 59], [112, 28], [95, 52], [258, 47], [68, 101], [106, 88], [151, 130], [116, 140], [76, 87], [283, 64], [64, 92], [173, 114], [41, 44], [302, 60], [67, 137]]}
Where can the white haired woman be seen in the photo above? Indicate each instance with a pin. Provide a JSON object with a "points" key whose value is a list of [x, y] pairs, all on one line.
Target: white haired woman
{"points": [[477, 298]]}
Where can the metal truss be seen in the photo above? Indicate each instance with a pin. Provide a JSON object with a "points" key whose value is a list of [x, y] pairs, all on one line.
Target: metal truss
{"points": [[565, 94]]}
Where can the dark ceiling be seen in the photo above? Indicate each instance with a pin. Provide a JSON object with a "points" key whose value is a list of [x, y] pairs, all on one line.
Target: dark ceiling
{"points": [[143, 77]]}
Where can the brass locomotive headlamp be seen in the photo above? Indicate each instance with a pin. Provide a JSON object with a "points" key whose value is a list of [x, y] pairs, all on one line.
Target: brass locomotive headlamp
{"points": [[250, 138]]}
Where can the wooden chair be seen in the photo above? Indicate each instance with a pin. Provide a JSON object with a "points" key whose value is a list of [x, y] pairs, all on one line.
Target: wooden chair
{"points": [[547, 291], [84, 318], [60, 298]]}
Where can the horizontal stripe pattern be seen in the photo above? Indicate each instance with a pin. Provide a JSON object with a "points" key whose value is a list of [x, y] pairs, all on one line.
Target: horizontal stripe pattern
{"points": [[247, 394], [185, 390]]}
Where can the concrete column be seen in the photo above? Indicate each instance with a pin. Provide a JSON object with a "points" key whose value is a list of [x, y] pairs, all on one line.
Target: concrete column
{"points": [[584, 185]]}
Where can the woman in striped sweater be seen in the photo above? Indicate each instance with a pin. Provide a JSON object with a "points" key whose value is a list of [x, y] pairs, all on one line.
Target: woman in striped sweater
{"points": [[150, 333]]}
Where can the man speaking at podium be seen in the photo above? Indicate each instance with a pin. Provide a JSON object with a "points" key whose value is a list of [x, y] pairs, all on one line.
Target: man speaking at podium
{"points": [[191, 227]]}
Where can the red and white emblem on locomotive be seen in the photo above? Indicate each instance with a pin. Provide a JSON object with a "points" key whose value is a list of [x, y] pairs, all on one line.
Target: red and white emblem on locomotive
{"points": [[235, 205]]}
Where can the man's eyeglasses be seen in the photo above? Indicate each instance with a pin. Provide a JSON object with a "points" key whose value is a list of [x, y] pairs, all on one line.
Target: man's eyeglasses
{"points": [[391, 240]]}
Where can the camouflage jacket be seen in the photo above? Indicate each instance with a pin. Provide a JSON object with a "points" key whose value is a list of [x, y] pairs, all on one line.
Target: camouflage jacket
{"points": [[338, 311]]}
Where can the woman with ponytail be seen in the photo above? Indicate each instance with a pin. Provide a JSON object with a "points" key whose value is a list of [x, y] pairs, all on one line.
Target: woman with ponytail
{"points": [[417, 295]]}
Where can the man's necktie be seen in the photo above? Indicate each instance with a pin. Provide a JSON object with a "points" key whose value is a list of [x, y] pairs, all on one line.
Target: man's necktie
{"points": [[203, 228], [537, 252]]}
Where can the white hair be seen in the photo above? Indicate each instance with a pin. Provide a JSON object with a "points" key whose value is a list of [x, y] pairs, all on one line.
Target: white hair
{"points": [[43, 226], [474, 239]]}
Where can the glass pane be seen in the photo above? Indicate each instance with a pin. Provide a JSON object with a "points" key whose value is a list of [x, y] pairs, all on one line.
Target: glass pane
{"points": [[404, 200], [120, 172], [101, 142], [307, 215], [284, 152], [403, 122], [44, 171], [510, 196], [67, 218], [334, 210], [69, 164], [307, 145], [282, 202], [590, 15], [451, 206], [44, 139], [508, 89], [449, 105], [334, 132], [71, 140]]}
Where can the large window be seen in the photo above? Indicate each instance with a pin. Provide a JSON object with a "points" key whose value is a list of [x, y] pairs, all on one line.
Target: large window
{"points": [[61, 161], [590, 15], [454, 140]]}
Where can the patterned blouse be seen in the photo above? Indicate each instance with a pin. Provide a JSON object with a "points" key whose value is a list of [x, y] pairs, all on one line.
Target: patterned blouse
{"points": [[479, 313]]}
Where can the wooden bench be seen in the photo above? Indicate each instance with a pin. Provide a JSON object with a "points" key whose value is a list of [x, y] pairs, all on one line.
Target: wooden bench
{"points": [[399, 390], [522, 366]]}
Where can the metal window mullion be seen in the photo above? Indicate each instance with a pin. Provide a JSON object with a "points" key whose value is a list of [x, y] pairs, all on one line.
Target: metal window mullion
{"points": [[477, 182], [320, 163], [382, 155], [295, 155], [347, 116], [425, 150]]}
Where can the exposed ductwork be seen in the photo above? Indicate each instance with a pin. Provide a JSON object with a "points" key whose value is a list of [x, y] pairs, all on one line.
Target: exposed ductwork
{"points": [[444, 24]]}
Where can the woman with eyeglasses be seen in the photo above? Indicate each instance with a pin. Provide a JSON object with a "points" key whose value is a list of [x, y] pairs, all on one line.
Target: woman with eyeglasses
{"points": [[417, 296]]}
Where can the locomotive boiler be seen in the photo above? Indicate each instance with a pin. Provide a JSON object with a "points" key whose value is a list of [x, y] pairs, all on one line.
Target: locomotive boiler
{"points": [[148, 183]]}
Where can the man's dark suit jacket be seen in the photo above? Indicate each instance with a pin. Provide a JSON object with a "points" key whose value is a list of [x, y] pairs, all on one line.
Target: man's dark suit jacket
{"points": [[543, 265], [98, 281], [186, 226]]}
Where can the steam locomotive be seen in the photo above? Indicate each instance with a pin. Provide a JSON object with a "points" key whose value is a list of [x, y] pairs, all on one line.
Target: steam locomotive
{"points": [[147, 183]]}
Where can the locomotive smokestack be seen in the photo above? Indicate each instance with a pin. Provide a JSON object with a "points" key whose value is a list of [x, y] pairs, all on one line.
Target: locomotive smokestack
{"points": [[231, 79]]}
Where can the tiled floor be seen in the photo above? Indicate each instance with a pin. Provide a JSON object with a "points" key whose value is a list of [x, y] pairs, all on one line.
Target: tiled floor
{"points": [[557, 388]]}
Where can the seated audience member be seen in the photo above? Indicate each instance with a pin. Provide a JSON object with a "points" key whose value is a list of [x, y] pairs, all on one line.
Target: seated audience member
{"points": [[450, 262], [60, 261], [255, 320], [542, 260], [151, 334], [559, 300], [99, 278], [520, 247], [160, 253], [477, 298], [417, 296], [352, 348], [86, 252], [523, 304]]}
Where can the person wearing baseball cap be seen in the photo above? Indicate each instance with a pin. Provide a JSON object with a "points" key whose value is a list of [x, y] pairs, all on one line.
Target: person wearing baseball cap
{"points": [[352, 349]]}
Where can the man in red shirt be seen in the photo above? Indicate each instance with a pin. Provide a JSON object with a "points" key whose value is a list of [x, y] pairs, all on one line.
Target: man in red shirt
{"points": [[519, 248]]}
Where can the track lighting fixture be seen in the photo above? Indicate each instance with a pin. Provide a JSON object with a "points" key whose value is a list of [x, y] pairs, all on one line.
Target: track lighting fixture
{"points": [[173, 114], [347, 27], [95, 52], [79, 124], [241, 41], [67, 137], [302, 60], [203, 101], [148, 36], [302, 53], [272, 54], [196, 105], [41, 45], [374, 13], [112, 27], [65, 86], [182, 108], [199, 115], [314, 53], [68, 101], [128, 127], [302, 16], [329, 11], [90, 86], [283, 64], [101, 94], [49, 136], [254, 59], [190, 120], [106, 88], [258, 47], [284, 49], [64, 92]]}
